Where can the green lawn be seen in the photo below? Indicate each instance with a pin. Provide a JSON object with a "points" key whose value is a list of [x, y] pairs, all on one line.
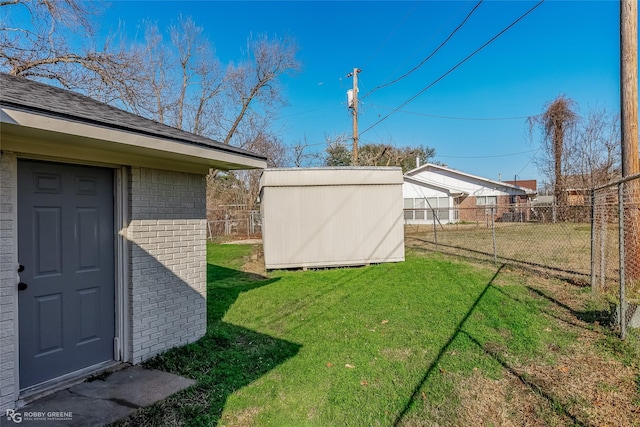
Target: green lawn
{"points": [[384, 345]]}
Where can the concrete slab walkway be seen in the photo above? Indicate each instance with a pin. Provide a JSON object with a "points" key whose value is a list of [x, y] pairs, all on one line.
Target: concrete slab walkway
{"points": [[101, 401]]}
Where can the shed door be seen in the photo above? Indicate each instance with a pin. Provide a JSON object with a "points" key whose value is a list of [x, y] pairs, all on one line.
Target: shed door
{"points": [[66, 245]]}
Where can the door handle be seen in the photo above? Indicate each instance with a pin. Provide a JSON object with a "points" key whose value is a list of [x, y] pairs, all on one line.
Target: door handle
{"points": [[20, 268], [22, 286]]}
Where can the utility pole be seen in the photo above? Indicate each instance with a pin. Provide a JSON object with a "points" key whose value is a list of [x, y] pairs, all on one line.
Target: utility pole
{"points": [[629, 86], [353, 104], [629, 133]]}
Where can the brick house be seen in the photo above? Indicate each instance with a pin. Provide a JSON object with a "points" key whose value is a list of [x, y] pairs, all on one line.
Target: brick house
{"points": [[433, 192], [103, 236]]}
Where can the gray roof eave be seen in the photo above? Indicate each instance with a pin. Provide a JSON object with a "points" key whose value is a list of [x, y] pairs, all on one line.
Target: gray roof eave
{"points": [[190, 139]]}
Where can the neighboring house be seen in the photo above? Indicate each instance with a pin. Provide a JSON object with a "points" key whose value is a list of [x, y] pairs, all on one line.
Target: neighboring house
{"points": [[436, 193], [578, 187], [102, 233], [531, 184]]}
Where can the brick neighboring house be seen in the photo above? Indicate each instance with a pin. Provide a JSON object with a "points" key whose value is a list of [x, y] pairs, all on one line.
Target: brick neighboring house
{"points": [[457, 196], [103, 236]]}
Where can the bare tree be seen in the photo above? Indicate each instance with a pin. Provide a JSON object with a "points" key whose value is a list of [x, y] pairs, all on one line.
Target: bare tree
{"points": [[301, 154], [171, 76], [236, 104], [256, 80], [582, 151], [198, 67], [178, 81], [556, 122], [35, 43], [593, 149], [183, 76]]}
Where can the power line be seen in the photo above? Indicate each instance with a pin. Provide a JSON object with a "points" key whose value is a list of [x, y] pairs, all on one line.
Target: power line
{"points": [[399, 25], [455, 66], [306, 112], [487, 157], [530, 160], [458, 118], [428, 57]]}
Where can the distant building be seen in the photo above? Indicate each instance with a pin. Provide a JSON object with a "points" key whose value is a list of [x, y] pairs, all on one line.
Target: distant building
{"points": [[531, 184], [436, 193]]}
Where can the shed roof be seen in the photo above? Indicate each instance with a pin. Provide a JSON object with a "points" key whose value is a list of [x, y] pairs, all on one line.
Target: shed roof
{"points": [[330, 176], [28, 103]]}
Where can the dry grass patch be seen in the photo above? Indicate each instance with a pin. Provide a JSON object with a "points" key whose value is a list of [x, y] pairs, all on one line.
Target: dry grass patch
{"points": [[596, 390], [397, 354], [504, 402], [242, 418], [254, 263]]}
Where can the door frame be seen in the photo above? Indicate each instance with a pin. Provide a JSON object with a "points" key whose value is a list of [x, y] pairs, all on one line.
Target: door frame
{"points": [[121, 344]]}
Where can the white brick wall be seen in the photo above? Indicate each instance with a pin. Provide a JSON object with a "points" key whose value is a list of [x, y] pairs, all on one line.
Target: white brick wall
{"points": [[168, 276], [8, 289]]}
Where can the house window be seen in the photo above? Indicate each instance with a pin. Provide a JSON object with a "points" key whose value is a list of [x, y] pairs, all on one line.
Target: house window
{"points": [[423, 208], [408, 204], [486, 200], [443, 205], [419, 204]]}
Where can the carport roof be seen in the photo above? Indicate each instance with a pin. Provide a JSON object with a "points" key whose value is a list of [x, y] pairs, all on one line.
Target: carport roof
{"points": [[18, 94]]}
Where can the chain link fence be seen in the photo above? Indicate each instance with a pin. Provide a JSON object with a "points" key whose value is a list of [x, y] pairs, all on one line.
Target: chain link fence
{"points": [[616, 246], [594, 240], [234, 224], [531, 236]]}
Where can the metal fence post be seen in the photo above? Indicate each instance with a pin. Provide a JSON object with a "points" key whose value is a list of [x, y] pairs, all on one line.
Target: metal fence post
{"points": [[493, 236], [603, 248], [623, 310], [593, 240], [435, 232]]}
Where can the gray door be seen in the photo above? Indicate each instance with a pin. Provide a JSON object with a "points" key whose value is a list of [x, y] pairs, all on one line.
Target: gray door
{"points": [[66, 246]]}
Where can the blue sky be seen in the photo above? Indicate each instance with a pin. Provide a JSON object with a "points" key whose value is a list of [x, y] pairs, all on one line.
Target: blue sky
{"points": [[562, 47]]}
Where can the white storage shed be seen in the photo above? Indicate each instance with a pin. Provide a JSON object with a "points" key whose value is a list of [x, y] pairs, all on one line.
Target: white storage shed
{"points": [[330, 217]]}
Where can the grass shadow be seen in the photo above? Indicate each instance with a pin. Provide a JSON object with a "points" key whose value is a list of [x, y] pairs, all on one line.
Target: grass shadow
{"points": [[226, 359], [572, 319], [553, 401], [602, 317], [443, 350], [415, 396]]}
